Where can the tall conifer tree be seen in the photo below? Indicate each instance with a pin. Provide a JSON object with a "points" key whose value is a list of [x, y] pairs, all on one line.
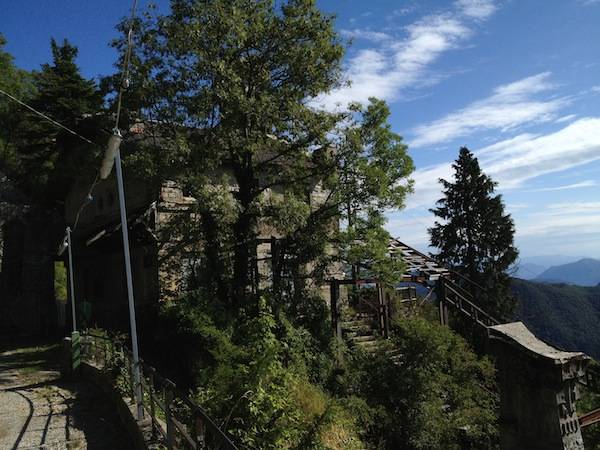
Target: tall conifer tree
{"points": [[474, 235], [47, 158]]}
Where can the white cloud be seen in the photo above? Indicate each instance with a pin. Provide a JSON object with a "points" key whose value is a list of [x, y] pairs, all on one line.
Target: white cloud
{"points": [[596, 89], [357, 33], [514, 161], [548, 225], [403, 11], [412, 228], [478, 9], [386, 70], [583, 184], [574, 208], [508, 107], [516, 206], [567, 118]]}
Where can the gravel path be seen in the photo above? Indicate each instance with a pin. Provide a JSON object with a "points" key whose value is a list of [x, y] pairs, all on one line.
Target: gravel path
{"points": [[40, 411]]}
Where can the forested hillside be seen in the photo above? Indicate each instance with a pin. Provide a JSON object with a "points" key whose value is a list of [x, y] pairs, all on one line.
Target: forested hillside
{"points": [[562, 314]]}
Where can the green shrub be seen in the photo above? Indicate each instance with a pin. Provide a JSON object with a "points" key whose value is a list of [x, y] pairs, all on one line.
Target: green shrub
{"points": [[437, 395]]}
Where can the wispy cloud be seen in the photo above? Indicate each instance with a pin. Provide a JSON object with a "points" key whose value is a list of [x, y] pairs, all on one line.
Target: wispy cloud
{"points": [[574, 208], [566, 187], [368, 35], [509, 106], [478, 9], [514, 161], [384, 71], [562, 224], [567, 118]]}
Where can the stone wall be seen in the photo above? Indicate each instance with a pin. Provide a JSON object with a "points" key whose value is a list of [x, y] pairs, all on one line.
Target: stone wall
{"points": [[538, 388]]}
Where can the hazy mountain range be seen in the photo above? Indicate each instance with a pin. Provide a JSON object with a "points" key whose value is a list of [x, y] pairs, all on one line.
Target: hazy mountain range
{"points": [[581, 272]]}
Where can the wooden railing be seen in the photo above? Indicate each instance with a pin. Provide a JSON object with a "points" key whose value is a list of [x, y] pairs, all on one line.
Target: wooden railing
{"points": [[177, 421], [462, 301]]}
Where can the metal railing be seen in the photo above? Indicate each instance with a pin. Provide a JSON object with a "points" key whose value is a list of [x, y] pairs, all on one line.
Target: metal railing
{"points": [[176, 420]]}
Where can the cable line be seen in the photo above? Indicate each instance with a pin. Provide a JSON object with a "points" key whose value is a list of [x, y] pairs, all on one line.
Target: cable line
{"points": [[49, 119], [125, 75]]}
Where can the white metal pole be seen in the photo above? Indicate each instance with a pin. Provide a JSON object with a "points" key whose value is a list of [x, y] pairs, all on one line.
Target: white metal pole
{"points": [[132, 323], [71, 277]]}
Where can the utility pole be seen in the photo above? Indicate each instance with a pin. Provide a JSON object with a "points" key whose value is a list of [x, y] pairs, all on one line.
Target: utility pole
{"points": [[71, 278], [113, 156], [132, 321], [66, 245]]}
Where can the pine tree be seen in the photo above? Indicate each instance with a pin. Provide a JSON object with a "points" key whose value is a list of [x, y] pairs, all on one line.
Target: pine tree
{"points": [[47, 157], [17, 83], [475, 236]]}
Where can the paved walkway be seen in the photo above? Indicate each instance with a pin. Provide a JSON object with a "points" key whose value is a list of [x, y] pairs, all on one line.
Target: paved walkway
{"points": [[40, 411]]}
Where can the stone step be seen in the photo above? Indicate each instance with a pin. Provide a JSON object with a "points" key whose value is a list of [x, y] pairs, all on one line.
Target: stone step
{"points": [[357, 328], [354, 334], [357, 322], [364, 338], [369, 346]]}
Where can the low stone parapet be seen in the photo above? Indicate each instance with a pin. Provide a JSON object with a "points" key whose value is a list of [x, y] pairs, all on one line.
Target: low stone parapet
{"points": [[538, 389]]}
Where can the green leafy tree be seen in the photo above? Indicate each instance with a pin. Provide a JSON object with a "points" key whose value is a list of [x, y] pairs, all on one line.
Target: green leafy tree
{"points": [[239, 74], [371, 177], [474, 235], [17, 83], [225, 87]]}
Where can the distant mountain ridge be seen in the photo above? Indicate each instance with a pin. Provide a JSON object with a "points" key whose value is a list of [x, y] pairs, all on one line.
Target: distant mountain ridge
{"points": [[528, 271], [564, 315], [585, 272]]}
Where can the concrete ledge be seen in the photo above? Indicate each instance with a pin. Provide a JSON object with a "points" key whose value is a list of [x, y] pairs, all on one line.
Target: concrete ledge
{"points": [[518, 334], [125, 410]]}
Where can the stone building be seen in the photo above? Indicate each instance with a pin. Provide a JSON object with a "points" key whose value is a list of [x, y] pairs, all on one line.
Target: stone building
{"points": [[100, 287]]}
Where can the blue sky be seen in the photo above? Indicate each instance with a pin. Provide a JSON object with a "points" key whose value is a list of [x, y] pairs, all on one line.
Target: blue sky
{"points": [[518, 82]]}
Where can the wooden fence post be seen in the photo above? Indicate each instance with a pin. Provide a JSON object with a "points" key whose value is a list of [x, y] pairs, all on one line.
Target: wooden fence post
{"points": [[151, 371], [199, 431], [442, 301], [131, 378], [169, 394], [387, 311], [335, 313]]}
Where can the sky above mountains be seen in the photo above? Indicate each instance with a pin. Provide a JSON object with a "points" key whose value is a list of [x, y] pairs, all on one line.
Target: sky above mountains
{"points": [[518, 82]]}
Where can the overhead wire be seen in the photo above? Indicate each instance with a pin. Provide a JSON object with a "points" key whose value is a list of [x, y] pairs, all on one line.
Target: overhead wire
{"points": [[88, 196], [124, 84], [125, 75], [49, 119]]}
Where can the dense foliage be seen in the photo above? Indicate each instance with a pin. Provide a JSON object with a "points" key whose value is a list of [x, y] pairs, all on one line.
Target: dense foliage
{"points": [[42, 158], [275, 385], [474, 235], [228, 86], [590, 401], [16, 82]]}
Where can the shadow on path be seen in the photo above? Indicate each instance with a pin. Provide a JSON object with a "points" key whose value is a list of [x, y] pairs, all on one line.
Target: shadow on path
{"points": [[38, 410]]}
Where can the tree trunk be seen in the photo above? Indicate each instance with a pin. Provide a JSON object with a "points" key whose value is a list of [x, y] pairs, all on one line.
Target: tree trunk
{"points": [[244, 231]]}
